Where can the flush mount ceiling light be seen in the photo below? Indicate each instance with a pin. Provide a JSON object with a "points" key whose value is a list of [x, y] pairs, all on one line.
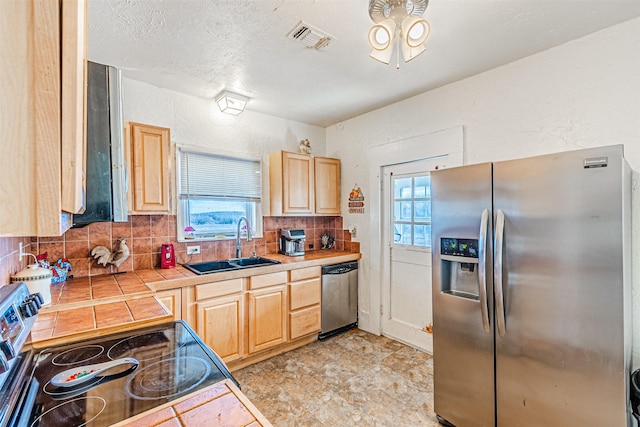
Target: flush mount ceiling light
{"points": [[399, 21], [231, 103]]}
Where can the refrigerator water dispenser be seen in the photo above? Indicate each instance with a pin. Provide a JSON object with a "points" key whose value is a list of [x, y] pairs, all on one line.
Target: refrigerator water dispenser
{"points": [[459, 267]]}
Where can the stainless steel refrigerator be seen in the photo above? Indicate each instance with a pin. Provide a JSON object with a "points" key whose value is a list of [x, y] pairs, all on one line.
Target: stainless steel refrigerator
{"points": [[531, 291]]}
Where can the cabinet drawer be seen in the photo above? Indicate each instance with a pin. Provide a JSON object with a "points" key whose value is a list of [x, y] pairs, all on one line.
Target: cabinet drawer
{"points": [[304, 322], [305, 273], [305, 293], [264, 280], [216, 289]]}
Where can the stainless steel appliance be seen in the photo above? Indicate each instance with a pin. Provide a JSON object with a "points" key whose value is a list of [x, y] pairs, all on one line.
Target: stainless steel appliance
{"points": [[531, 291], [171, 362], [339, 298], [292, 242], [106, 181]]}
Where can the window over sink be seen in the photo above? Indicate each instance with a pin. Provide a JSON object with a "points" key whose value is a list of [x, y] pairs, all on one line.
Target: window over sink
{"points": [[214, 192]]}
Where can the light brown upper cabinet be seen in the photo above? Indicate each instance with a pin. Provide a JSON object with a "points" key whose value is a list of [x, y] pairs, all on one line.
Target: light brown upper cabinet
{"points": [[327, 185], [147, 149], [43, 115], [303, 185]]}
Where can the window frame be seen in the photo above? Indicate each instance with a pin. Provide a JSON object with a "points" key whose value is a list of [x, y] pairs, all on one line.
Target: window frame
{"points": [[412, 221], [182, 200]]}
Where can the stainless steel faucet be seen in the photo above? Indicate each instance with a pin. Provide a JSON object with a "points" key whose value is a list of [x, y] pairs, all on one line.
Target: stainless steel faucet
{"points": [[238, 247]]}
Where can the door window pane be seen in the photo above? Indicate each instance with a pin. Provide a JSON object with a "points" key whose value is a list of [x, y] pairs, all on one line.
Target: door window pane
{"points": [[422, 211], [422, 235], [402, 188], [405, 238], [422, 186], [412, 210]]}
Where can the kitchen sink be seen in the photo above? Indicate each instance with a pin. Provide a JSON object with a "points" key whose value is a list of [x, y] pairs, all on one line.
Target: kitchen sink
{"points": [[253, 261], [210, 266], [228, 265]]}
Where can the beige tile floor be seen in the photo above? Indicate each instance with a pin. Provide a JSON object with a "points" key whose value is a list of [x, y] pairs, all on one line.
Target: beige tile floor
{"points": [[353, 379]]}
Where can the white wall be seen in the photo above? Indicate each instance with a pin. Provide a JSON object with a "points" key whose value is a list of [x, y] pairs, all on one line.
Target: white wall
{"points": [[585, 93], [197, 122]]}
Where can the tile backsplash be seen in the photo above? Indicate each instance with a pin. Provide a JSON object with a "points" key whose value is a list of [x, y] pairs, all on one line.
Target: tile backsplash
{"points": [[10, 262], [145, 235]]}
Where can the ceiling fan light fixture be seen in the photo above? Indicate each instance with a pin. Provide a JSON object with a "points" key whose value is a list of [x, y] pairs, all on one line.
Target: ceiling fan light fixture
{"points": [[415, 31], [384, 55], [397, 21], [381, 34], [231, 103], [408, 52]]}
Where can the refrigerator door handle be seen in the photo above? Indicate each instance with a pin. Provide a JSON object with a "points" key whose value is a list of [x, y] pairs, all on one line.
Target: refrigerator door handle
{"points": [[497, 273], [482, 269]]}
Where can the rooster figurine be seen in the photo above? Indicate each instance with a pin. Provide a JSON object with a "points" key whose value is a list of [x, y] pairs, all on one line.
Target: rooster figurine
{"points": [[104, 256]]}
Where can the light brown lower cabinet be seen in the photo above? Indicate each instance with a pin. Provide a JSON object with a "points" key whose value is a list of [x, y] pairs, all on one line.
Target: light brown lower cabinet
{"points": [[217, 311], [267, 324], [220, 325], [172, 299], [305, 294], [240, 319]]}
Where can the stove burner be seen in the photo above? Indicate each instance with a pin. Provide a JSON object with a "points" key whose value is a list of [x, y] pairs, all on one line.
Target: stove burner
{"points": [[73, 413], [78, 355], [171, 340], [168, 378]]}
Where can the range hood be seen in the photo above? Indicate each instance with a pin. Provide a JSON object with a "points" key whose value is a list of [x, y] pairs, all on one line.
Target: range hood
{"points": [[105, 197]]}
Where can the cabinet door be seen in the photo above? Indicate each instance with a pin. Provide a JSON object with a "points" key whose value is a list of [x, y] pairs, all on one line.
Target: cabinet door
{"points": [[31, 120], [267, 318], [298, 183], [149, 166], [327, 186], [291, 183], [220, 326], [172, 299], [74, 113]]}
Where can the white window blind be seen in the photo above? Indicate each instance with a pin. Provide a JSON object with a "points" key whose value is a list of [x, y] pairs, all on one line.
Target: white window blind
{"points": [[208, 175]]}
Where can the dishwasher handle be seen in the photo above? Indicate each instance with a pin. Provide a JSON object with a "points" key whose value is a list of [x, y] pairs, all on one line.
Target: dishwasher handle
{"points": [[343, 268]]}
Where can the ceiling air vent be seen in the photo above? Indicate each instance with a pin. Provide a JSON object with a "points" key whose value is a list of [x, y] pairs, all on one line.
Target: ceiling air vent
{"points": [[309, 36]]}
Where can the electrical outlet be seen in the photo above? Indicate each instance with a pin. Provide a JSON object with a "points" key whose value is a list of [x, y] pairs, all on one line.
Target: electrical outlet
{"points": [[193, 250], [353, 231]]}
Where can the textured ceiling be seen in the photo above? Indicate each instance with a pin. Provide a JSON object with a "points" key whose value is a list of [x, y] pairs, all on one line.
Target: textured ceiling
{"points": [[200, 47]]}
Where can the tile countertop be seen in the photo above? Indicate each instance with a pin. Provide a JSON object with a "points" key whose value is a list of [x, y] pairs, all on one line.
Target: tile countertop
{"points": [[87, 307], [90, 306], [221, 404]]}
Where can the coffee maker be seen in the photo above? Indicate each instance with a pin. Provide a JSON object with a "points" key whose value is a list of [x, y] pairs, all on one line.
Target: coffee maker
{"points": [[292, 242]]}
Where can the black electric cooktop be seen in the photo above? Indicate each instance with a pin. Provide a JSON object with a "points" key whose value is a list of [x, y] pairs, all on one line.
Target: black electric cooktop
{"points": [[173, 362]]}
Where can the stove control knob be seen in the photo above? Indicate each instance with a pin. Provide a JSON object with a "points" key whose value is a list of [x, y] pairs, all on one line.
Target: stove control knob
{"points": [[28, 309], [38, 296], [4, 364], [7, 350], [33, 298]]}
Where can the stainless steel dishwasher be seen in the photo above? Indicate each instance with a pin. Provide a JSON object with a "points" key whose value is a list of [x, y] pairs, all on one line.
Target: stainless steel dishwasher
{"points": [[339, 298]]}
